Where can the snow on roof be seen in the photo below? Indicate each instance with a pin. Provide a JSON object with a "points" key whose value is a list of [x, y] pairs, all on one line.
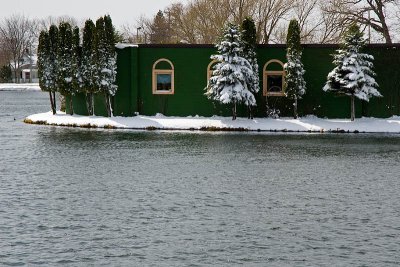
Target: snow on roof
{"points": [[122, 45]]}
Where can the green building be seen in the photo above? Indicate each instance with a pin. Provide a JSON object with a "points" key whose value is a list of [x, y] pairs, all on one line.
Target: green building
{"points": [[170, 79]]}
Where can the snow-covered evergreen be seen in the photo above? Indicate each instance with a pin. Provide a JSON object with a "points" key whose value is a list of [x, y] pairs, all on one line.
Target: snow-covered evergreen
{"points": [[112, 56], [295, 85], [76, 61], [44, 65], [106, 59], [64, 60], [52, 68], [231, 76], [353, 75], [89, 74], [249, 40]]}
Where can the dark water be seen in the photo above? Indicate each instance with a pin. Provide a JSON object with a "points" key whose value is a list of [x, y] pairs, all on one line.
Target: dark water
{"points": [[74, 197]]}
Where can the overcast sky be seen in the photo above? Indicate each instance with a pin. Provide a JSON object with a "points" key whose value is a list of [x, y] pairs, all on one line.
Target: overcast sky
{"points": [[121, 11]]}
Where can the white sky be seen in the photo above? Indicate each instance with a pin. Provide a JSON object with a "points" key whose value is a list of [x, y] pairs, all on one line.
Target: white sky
{"points": [[121, 11]]}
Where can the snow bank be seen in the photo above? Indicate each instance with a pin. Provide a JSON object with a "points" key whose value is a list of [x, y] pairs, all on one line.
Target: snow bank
{"points": [[306, 124], [19, 87]]}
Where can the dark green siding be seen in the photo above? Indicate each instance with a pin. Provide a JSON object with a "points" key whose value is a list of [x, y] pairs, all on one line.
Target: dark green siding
{"points": [[134, 81]]}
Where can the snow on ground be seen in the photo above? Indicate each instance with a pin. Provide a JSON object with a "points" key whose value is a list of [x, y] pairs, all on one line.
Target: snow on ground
{"points": [[306, 124], [19, 87]]}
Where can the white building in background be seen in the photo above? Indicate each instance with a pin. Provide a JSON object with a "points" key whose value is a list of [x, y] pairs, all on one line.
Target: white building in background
{"points": [[27, 70]]}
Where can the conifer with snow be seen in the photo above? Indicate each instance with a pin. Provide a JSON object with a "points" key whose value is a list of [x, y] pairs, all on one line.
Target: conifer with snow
{"points": [[43, 66], [295, 85], [76, 61], [106, 59], [52, 67], [231, 76], [88, 69], [65, 66], [249, 40], [353, 75]]}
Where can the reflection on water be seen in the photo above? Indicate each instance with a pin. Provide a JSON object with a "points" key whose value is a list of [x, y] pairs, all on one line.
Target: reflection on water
{"points": [[80, 197]]}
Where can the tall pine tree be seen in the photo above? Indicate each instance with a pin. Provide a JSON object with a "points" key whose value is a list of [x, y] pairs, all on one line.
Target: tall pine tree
{"points": [[230, 78], [295, 85], [106, 59], [89, 74], [44, 64], [249, 40], [160, 29], [111, 72], [52, 68], [76, 61], [353, 75], [65, 67]]}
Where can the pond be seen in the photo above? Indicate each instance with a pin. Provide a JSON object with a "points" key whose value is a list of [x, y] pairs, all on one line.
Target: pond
{"points": [[90, 197]]}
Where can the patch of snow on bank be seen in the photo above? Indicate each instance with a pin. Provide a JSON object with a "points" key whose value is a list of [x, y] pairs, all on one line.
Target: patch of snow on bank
{"points": [[306, 124], [19, 87]]}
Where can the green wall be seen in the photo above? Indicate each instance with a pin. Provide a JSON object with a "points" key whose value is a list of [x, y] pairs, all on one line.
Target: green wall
{"points": [[190, 62]]}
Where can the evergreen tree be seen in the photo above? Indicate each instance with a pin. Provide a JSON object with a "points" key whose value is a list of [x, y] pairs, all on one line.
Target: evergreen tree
{"points": [[88, 71], [5, 74], [353, 75], [52, 68], [249, 40], [76, 61], [65, 66], [106, 59], [159, 29], [295, 85], [44, 64], [231, 76], [110, 88]]}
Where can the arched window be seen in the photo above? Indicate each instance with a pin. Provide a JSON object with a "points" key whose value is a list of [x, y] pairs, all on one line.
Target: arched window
{"points": [[163, 77], [273, 78], [210, 69]]}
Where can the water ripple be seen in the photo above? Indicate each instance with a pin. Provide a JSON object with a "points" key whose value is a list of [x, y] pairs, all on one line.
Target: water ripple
{"points": [[77, 197]]}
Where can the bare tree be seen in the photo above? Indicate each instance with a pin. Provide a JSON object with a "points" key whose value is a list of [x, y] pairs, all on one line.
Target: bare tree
{"points": [[240, 9], [331, 27], [268, 15], [130, 33], [45, 23], [183, 23], [18, 34], [210, 17], [321, 21], [370, 13]]}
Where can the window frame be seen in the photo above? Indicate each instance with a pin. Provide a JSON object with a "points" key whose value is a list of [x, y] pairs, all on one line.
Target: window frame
{"points": [[273, 72], [156, 71], [209, 70]]}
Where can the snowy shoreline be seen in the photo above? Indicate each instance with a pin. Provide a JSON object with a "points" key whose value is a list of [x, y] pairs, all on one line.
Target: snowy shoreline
{"points": [[160, 122], [19, 87]]}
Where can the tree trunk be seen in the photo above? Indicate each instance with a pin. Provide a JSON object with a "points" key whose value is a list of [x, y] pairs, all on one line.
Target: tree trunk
{"points": [[71, 106], [353, 112], [54, 101], [53, 109], [250, 115], [234, 111], [89, 104], [16, 76], [295, 114], [108, 104]]}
